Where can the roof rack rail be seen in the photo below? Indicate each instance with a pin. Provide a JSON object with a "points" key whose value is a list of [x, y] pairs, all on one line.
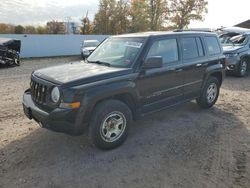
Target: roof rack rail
{"points": [[197, 29]]}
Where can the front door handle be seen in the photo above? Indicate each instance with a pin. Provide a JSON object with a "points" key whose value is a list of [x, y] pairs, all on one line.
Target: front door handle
{"points": [[198, 64]]}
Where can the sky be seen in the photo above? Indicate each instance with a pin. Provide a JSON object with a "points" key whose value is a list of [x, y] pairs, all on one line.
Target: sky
{"points": [[38, 12], [224, 13]]}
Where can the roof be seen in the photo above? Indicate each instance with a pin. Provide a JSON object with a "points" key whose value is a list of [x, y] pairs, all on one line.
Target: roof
{"points": [[160, 33], [239, 30], [6, 41]]}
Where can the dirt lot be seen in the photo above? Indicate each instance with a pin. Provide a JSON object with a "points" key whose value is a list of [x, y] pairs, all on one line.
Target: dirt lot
{"points": [[180, 147]]}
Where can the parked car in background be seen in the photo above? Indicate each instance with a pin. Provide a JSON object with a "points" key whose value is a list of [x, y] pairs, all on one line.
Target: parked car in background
{"points": [[87, 47], [9, 51], [126, 77], [236, 46]]}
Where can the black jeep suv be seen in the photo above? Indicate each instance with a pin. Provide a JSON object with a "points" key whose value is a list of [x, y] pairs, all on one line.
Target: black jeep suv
{"points": [[236, 45], [127, 76]]}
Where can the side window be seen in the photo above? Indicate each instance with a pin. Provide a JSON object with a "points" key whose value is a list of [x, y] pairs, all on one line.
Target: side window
{"points": [[212, 45], [189, 48], [166, 48], [200, 47]]}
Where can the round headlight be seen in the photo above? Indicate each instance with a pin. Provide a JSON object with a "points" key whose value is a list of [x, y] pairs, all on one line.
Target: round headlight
{"points": [[55, 94]]}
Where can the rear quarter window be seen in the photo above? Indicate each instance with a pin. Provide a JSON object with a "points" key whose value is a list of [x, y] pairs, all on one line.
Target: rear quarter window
{"points": [[213, 46]]}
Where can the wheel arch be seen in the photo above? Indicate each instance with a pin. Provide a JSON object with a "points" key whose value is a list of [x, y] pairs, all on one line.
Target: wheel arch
{"points": [[216, 71], [124, 92], [218, 75]]}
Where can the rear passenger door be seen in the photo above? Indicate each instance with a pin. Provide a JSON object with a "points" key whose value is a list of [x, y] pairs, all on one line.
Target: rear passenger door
{"points": [[194, 64]]}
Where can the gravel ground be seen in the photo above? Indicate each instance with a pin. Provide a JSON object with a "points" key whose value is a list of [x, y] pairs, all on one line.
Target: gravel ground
{"points": [[180, 147]]}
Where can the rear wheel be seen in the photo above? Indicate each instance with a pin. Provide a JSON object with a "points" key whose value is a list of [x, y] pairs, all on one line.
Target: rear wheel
{"points": [[209, 94], [242, 68], [109, 124]]}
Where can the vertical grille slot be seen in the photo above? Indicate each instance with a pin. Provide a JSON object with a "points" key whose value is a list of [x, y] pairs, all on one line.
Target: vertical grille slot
{"points": [[38, 91]]}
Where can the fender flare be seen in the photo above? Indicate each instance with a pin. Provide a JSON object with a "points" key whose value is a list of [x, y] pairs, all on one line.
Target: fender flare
{"points": [[217, 68], [94, 95]]}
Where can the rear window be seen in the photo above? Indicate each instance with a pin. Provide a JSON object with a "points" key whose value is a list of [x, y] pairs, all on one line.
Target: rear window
{"points": [[212, 45]]}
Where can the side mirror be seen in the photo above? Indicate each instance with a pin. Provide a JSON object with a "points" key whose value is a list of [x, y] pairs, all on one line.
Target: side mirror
{"points": [[153, 62]]}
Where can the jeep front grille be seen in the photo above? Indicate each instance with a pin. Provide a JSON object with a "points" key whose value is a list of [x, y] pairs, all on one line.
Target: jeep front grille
{"points": [[38, 91]]}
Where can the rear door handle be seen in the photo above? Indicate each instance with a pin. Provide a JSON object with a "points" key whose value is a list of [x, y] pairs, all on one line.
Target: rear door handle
{"points": [[198, 64]]}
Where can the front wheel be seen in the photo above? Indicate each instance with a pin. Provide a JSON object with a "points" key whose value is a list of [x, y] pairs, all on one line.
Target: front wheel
{"points": [[210, 93], [16, 59], [242, 69], [109, 124]]}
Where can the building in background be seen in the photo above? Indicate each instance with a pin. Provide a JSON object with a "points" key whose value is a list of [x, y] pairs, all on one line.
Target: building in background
{"points": [[72, 27]]}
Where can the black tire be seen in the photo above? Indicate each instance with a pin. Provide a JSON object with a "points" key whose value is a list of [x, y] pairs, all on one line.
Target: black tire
{"points": [[242, 68], [109, 111], [16, 59], [205, 100]]}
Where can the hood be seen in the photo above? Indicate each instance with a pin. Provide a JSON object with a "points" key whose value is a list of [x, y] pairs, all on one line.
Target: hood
{"points": [[79, 72], [13, 44], [231, 48], [89, 48]]}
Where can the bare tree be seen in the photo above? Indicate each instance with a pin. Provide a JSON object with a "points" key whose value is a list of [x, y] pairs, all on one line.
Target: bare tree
{"points": [[105, 17], [156, 10], [121, 17], [139, 16], [87, 27], [183, 11]]}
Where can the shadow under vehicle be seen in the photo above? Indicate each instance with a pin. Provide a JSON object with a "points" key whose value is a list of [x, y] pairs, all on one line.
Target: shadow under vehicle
{"points": [[236, 46], [9, 51]]}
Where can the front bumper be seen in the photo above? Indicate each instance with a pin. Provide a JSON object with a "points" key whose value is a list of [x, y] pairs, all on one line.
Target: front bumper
{"points": [[59, 120], [84, 53], [232, 63]]}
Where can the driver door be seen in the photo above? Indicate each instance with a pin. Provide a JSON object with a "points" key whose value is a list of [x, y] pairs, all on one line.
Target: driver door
{"points": [[161, 87]]}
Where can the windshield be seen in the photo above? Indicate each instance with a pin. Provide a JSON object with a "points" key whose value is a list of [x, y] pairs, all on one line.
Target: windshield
{"points": [[118, 52], [90, 44], [236, 39]]}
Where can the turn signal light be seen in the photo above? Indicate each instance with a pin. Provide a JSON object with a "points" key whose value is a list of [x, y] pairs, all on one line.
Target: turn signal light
{"points": [[72, 105]]}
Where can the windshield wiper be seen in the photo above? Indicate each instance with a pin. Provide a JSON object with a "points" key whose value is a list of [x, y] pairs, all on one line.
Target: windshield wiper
{"points": [[100, 63]]}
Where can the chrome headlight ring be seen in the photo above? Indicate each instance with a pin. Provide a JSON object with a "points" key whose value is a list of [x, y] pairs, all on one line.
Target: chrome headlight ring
{"points": [[55, 95]]}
